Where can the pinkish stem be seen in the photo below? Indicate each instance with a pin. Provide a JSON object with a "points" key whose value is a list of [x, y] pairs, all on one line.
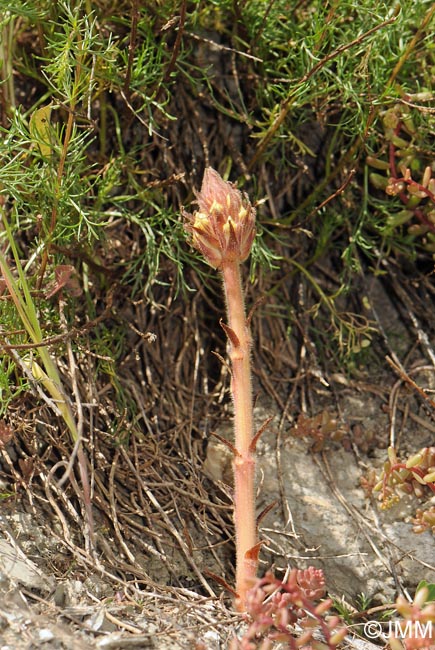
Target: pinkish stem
{"points": [[244, 460]]}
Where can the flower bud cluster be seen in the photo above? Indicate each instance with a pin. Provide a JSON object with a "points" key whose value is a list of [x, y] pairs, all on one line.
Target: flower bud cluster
{"points": [[223, 228]]}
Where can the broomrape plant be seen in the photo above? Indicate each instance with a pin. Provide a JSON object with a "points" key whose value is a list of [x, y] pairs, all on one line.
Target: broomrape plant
{"points": [[223, 230]]}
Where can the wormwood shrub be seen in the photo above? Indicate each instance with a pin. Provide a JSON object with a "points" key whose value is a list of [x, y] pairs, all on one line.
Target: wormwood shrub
{"points": [[60, 165]]}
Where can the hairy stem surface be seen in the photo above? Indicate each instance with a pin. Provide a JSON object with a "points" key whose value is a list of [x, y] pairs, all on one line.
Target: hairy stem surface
{"points": [[244, 460]]}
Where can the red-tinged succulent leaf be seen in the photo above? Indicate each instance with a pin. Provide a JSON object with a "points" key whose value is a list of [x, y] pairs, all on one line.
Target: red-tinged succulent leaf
{"points": [[276, 607], [312, 582]]}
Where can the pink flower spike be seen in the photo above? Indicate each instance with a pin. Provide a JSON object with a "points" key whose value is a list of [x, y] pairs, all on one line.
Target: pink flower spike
{"points": [[223, 228]]}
